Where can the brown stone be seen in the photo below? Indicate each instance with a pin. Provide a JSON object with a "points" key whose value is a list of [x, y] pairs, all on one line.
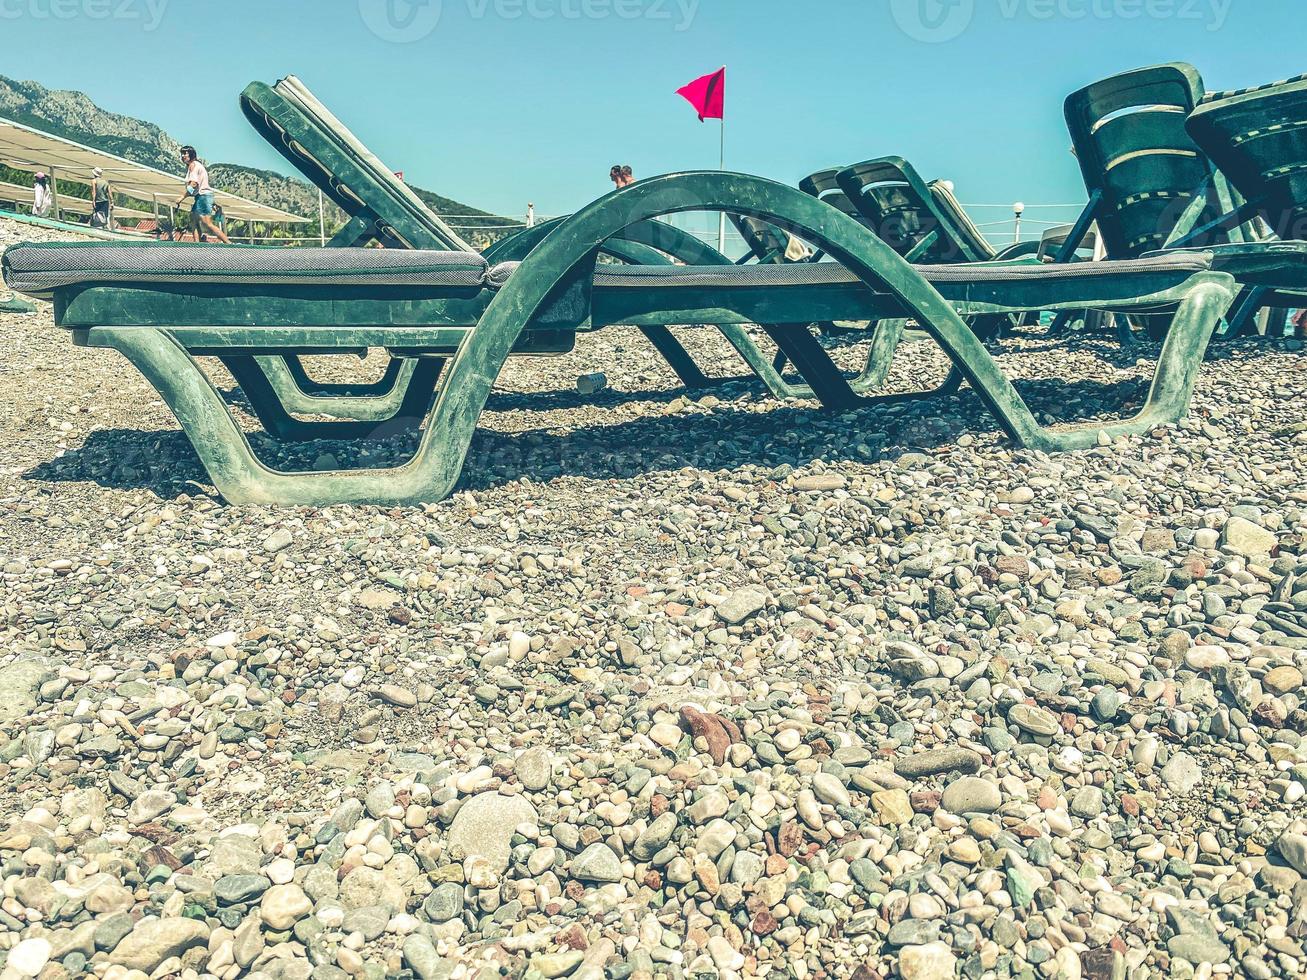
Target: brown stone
{"points": [[574, 938], [789, 838], [1270, 714], [1098, 964], [925, 802], [720, 733], [159, 855], [706, 871], [1013, 565], [764, 923]]}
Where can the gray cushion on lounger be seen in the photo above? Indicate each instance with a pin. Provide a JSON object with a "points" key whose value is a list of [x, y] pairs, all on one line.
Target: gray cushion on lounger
{"points": [[824, 273], [38, 269]]}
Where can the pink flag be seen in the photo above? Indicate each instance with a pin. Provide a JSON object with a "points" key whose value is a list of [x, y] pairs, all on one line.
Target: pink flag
{"points": [[707, 95]]}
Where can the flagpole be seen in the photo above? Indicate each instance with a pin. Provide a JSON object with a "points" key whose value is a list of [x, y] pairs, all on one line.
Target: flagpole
{"points": [[721, 218]]}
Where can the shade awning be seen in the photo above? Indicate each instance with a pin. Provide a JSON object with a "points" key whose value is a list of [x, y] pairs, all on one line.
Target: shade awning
{"points": [[71, 205], [25, 148]]}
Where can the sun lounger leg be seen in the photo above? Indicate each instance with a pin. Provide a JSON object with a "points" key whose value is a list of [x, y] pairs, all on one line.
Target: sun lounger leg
{"points": [[239, 476], [1245, 312], [299, 377], [677, 357], [810, 359], [300, 395], [1168, 399], [888, 336], [885, 341], [829, 385], [1062, 321], [766, 370], [409, 404], [880, 358], [1125, 331]]}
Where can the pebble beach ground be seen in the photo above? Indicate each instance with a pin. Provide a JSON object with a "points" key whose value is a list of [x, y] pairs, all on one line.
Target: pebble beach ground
{"points": [[674, 686]]}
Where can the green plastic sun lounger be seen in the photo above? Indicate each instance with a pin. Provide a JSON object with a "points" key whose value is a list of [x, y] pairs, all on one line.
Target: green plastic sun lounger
{"points": [[164, 307], [1258, 139], [1147, 180], [1150, 185], [769, 245], [766, 243], [385, 210], [923, 222]]}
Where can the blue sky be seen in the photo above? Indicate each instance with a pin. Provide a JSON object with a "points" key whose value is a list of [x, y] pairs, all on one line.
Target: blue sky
{"points": [[501, 102]]}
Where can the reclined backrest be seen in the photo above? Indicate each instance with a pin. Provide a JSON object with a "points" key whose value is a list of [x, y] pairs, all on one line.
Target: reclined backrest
{"points": [[1258, 137], [767, 242], [969, 236], [1128, 132], [319, 145], [1053, 239], [823, 186], [903, 209]]}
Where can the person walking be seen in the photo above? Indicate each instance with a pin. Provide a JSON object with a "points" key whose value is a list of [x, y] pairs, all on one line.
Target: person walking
{"points": [[41, 197], [199, 189], [101, 200]]}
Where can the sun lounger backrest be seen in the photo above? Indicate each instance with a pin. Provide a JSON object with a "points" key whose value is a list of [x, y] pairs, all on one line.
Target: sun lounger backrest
{"points": [[1129, 136], [904, 210], [1052, 240], [769, 243], [329, 154], [822, 185], [765, 241], [975, 239], [292, 87], [1258, 138]]}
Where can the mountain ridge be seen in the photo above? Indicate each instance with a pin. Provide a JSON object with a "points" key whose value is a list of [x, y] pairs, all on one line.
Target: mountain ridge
{"points": [[75, 116]]}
